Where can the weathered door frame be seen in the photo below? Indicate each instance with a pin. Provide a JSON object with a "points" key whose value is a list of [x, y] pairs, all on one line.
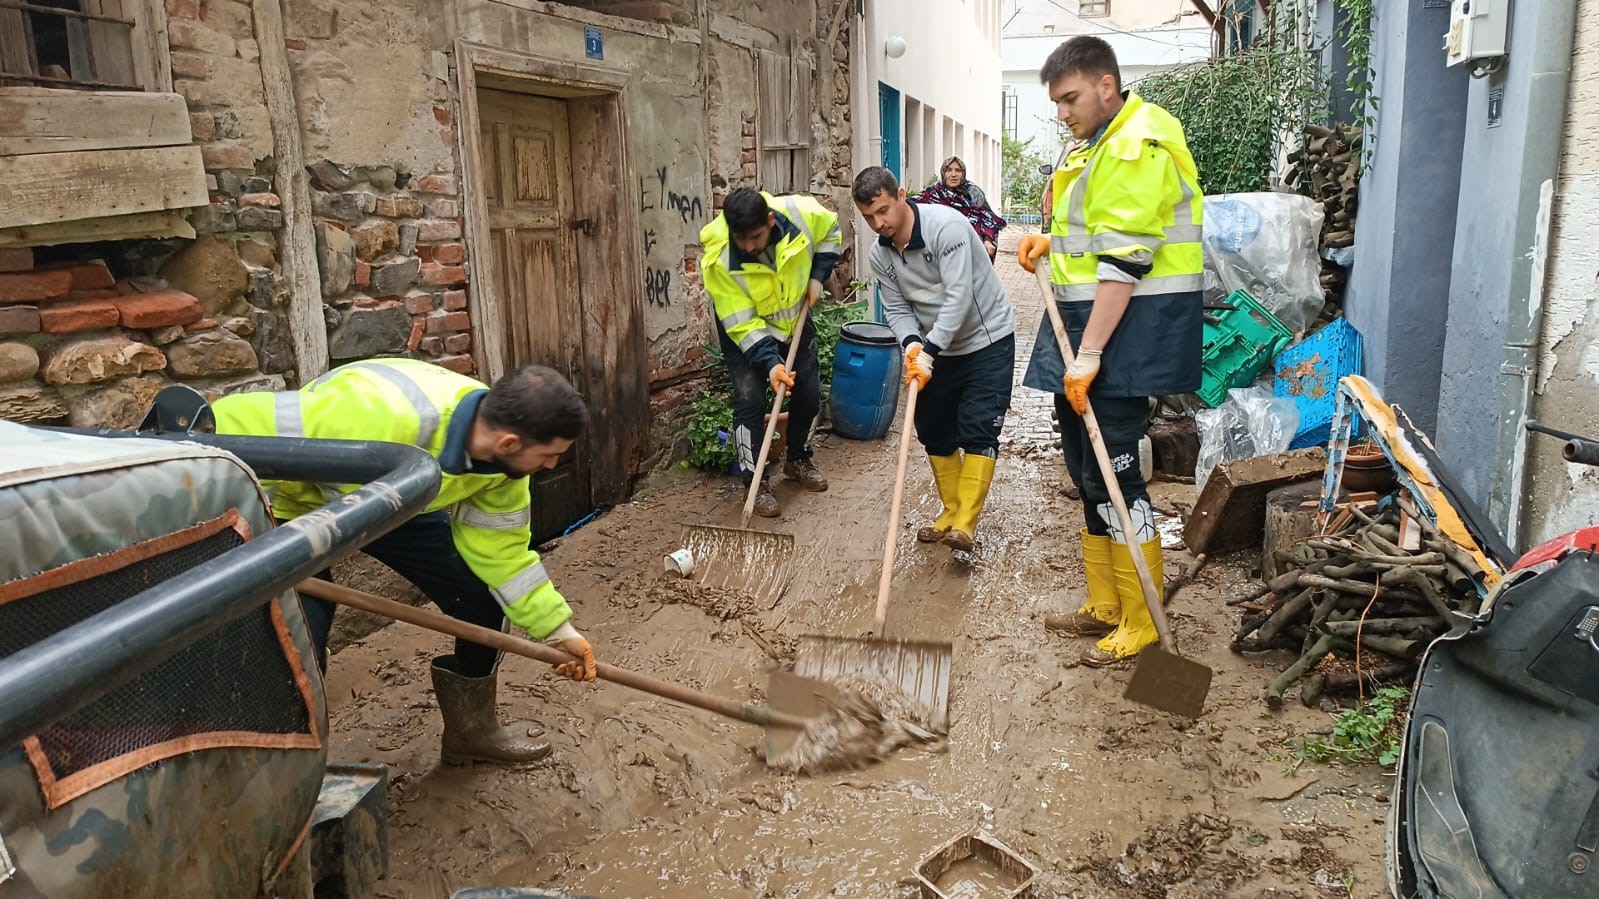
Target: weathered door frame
{"points": [[616, 359]]}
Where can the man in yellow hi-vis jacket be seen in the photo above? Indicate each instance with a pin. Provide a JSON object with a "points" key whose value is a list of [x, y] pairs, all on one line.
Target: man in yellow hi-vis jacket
{"points": [[765, 260], [469, 551], [1127, 269]]}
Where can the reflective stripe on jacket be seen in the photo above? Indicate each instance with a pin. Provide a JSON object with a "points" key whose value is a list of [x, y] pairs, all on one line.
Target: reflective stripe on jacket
{"points": [[412, 402], [755, 301], [1130, 199]]}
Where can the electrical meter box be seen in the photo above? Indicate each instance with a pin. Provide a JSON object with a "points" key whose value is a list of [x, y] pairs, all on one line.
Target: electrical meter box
{"points": [[1477, 30]]}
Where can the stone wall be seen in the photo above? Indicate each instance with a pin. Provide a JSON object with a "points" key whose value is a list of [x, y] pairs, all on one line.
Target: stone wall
{"points": [[81, 346]]}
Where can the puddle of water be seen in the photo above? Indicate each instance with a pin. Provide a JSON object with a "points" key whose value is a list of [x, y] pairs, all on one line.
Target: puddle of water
{"points": [[976, 878]]}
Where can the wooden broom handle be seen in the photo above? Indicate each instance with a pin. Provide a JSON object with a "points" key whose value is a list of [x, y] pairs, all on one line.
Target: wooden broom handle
{"points": [[893, 513], [434, 621], [771, 421], [1107, 473]]}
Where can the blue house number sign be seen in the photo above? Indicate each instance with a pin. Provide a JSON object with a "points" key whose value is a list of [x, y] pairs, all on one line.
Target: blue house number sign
{"points": [[593, 43]]}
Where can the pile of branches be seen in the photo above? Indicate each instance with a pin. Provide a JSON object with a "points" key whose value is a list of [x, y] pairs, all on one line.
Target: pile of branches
{"points": [[1355, 605], [1326, 168]]}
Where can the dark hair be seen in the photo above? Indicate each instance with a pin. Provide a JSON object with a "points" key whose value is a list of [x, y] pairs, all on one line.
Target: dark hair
{"points": [[952, 161], [873, 181], [1085, 54], [536, 404], [745, 210]]}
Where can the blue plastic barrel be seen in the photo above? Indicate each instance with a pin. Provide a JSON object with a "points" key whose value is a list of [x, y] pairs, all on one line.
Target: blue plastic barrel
{"points": [[865, 380]]}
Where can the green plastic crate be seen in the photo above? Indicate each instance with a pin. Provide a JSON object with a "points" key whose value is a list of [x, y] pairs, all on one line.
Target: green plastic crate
{"points": [[1239, 343]]}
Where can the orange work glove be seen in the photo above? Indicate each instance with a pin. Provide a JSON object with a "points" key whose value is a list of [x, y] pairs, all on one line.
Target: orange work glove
{"points": [[813, 293], [918, 366], [1079, 377], [584, 667], [781, 375], [1030, 249]]}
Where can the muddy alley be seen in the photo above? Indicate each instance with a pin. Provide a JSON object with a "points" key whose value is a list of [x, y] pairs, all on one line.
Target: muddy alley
{"points": [[644, 798]]}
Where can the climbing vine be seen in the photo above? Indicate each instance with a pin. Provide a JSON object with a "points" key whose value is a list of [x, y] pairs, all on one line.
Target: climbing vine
{"points": [[1354, 32]]}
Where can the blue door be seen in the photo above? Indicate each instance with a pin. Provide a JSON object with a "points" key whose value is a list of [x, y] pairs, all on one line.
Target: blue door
{"points": [[888, 116]]}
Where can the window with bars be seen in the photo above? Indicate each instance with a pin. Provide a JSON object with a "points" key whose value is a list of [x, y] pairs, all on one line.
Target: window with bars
{"points": [[1091, 8], [784, 127], [77, 44], [1008, 113]]}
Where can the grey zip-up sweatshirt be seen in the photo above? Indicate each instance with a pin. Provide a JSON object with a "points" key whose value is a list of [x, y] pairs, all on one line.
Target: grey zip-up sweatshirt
{"points": [[943, 292]]}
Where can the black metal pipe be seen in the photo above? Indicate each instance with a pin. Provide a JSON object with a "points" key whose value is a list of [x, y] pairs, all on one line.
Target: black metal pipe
{"points": [[60, 675]]}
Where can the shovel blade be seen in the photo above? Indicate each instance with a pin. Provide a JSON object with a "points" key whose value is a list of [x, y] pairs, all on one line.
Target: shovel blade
{"points": [[1169, 682], [920, 669], [760, 563]]}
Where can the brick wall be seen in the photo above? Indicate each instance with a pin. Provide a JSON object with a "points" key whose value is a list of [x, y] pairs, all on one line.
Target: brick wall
{"points": [[80, 346]]}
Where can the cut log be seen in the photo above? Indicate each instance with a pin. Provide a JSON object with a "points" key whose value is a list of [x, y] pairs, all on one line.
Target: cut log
{"points": [[1287, 522]]}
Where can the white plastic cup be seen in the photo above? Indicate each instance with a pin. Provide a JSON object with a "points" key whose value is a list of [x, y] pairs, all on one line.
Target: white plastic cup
{"points": [[680, 562]]}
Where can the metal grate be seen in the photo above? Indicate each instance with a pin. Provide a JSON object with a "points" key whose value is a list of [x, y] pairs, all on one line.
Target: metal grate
{"points": [[235, 680], [67, 43]]}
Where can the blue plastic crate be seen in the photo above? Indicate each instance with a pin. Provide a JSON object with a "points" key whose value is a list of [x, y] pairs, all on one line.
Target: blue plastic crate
{"points": [[1308, 373]]}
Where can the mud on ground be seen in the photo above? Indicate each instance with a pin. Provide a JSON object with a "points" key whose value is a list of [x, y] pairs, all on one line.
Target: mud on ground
{"points": [[645, 798]]}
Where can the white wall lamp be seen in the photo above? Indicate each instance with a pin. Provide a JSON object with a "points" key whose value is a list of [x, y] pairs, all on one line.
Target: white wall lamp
{"points": [[894, 47]]}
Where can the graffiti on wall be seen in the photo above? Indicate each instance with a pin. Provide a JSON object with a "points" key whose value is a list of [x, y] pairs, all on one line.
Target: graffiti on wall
{"points": [[663, 209]]}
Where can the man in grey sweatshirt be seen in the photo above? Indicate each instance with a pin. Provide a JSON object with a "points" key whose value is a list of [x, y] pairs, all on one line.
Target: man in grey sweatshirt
{"points": [[943, 299]]}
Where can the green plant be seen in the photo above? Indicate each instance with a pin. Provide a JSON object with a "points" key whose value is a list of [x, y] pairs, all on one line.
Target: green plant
{"points": [[1354, 32], [710, 442], [1237, 110], [830, 315], [1023, 183], [1369, 733]]}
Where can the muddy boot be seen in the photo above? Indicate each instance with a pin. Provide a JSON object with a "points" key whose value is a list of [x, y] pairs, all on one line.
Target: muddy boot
{"points": [[472, 731], [971, 491], [805, 472], [1102, 612], [1136, 629], [946, 476], [766, 504]]}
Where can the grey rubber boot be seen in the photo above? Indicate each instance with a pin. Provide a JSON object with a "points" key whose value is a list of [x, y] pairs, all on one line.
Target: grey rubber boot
{"points": [[472, 731]]}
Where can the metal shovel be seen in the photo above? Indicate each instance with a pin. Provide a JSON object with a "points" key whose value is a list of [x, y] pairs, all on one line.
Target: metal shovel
{"points": [[759, 562], [1162, 678], [920, 669]]}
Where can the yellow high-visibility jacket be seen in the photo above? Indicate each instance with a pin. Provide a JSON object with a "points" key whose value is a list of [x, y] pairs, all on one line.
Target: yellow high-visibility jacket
{"points": [[1131, 199], [413, 402], [755, 302]]}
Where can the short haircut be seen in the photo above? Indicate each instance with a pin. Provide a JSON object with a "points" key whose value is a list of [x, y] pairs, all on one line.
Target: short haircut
{"points": [[873, 181], [536, 404], [1085, 54], [952, 162], [745, 210]]}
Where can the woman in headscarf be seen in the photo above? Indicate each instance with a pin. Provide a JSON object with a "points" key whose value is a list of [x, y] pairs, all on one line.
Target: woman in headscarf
{"points": [[967, 199]]}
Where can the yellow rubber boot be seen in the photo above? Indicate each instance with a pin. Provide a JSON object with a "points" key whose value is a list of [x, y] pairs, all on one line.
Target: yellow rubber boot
{"points": [[946, 475], [1102, 610], [971, 492], [1136, 630]]}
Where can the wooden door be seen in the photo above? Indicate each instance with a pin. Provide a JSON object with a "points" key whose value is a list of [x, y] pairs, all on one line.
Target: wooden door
{"points": [[527, 180]]}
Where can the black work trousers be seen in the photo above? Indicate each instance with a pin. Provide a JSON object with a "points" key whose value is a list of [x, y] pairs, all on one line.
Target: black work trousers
{"points": [[963, 405], [750, 403], [1122, 421], [423, 552]]}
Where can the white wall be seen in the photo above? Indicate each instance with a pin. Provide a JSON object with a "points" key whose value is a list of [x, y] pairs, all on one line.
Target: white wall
{"points": [[949, 84], [1138, 53], [1565, 496]]}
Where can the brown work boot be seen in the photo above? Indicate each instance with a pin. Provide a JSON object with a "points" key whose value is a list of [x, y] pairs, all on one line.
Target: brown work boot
{"points": [[805, 472], [1078, 624], [766, 504], [472, 731]]}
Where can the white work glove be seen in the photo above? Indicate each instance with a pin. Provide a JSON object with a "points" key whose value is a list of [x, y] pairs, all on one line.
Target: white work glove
{"points": [[918, 365], [568, 640], [1078, 378]]}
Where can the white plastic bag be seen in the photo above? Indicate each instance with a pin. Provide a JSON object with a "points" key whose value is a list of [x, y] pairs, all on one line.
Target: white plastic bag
{"points": [[1249, 423], [1265, 243]]}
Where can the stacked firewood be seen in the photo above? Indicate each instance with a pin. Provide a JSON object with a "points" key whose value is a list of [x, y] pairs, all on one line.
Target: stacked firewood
{"points": [[1326, 168], [1356, 604]]}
